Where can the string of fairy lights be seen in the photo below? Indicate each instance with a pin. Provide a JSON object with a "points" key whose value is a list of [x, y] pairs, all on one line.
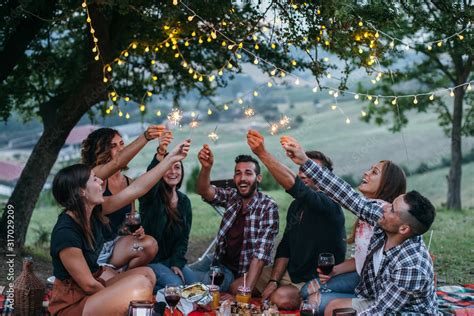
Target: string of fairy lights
{"points": [[172, 41]]}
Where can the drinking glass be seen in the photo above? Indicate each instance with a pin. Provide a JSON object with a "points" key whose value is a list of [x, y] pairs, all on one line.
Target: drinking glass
{"points": [[325, 264], [133, 222], [172, 296], [216, 275], [309, 309]]}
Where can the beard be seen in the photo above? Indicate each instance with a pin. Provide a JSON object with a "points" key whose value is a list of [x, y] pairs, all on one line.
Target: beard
{"points": [[252, 188]]}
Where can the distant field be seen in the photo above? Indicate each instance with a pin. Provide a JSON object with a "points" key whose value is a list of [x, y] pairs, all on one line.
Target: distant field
{"points": [[353, 147]]}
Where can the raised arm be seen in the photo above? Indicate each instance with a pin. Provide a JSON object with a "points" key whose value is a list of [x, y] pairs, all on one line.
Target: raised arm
{"points": [[203, 186], [282, 174], [336, 188], [146, 181], [123, 157]]}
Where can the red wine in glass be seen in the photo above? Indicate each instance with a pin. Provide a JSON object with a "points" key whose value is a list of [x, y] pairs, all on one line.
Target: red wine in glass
{"points": [[217, 275], [133, 227], [172, 300], [326, 262], [326, 268]]}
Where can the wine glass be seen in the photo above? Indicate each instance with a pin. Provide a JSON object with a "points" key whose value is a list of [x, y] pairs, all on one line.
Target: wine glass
{"points": [[216, 275], [133, 222], [309, 309], [325, 264], [172, 296]]}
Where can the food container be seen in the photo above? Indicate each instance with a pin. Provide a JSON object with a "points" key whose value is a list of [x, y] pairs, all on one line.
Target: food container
{"points": [[197, 293], [243, 294]]}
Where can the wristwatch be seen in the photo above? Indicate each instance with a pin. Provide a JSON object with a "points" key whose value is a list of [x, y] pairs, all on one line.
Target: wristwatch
{"points": [[273, 280]]}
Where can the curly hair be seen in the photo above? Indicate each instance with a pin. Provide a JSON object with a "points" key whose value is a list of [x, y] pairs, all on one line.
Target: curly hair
{"points": [[95, 149]]}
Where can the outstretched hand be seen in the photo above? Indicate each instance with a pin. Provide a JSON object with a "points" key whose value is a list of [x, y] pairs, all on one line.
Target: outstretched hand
{"points": [[293, 150], [165, 139], [205, 156], [255, 140], [180, 152], [155, 131]]}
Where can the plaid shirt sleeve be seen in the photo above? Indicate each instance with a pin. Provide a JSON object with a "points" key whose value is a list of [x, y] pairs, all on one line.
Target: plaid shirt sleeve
{"points": [[266, 234], [404, 284], [343, 193], [222, 196]]}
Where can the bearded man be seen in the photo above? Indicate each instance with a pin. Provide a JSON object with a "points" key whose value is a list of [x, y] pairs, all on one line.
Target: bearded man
{"points": [[249, 225]]}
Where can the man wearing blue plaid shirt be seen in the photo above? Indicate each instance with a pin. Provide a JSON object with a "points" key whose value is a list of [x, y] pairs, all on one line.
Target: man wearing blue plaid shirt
{"points": [[397, 276], [249, 225]]}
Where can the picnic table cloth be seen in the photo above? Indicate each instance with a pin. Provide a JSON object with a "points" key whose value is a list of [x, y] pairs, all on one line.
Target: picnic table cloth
{"points": [[452, 300]]}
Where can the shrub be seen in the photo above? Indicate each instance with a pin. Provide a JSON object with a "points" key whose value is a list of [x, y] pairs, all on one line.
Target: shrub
{"points": [[192, 180]]}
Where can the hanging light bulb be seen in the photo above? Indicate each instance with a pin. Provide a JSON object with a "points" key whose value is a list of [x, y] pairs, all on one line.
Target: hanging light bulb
{"points": [[451, 93], [356, 96], [315, 89], [127, 116], [269, 84], [394, 101], [431, 97], [348, 121]]}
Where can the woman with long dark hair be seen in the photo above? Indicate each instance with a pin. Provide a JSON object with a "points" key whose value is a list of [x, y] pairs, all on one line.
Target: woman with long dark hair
{"points": [[105, 152], [166, 216], [82, 287], [384, 181]]}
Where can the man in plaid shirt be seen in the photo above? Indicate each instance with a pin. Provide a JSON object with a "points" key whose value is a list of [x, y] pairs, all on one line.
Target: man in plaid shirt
{"points": [[249, 225], [397, 276]]}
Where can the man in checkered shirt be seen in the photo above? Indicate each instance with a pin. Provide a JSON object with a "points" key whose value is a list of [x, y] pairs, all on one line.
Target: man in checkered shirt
{"points": [[249, 225], [397, 276]]}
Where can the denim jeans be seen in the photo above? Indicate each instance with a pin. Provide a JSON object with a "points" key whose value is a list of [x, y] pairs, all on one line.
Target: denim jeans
{"points": [[166, 276], [340, 286], [202, 268]]}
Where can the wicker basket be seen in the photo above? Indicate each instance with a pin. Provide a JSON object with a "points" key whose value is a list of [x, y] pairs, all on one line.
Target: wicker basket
{"points": [[29, 291]]}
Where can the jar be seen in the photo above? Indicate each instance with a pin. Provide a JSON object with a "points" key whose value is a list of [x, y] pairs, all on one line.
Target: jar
{"points": [[243, 294], [214, 290]]}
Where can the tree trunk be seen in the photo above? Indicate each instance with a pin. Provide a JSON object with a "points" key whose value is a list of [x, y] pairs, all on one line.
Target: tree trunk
{"points": [[455, 171], [59, 118]]}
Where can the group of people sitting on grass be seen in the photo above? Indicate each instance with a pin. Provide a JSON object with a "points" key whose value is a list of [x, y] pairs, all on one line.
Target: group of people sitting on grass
{"points": [[100, 266]]}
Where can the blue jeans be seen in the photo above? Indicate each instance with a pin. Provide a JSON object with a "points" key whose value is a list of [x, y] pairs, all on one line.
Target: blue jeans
{"points": [[166, 276], [340, 286], [202, 268]]}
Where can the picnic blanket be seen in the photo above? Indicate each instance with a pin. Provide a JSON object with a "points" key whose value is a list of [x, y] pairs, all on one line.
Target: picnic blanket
{"points": [[452, 300], [456, 299]]}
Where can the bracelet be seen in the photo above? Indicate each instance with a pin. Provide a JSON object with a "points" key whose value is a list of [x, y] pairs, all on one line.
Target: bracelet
{"points": [[145, 135], [161, 151], [273, 280]]}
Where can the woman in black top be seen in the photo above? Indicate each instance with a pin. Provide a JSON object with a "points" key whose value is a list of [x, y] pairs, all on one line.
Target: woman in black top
{"points": [[103, 151], [166, 216], [81, 286]]}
